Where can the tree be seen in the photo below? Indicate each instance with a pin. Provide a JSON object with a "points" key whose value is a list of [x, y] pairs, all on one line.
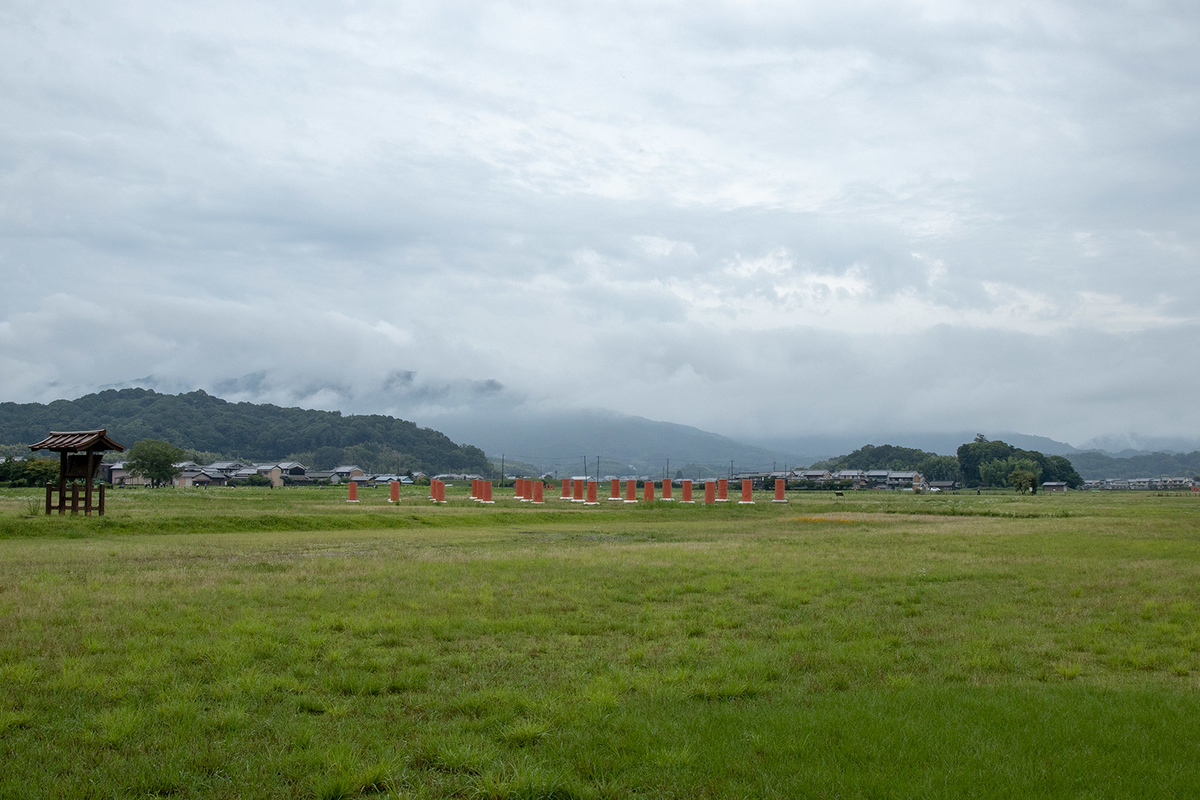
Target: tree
{"points": [[1022, 480], [154, 459]]}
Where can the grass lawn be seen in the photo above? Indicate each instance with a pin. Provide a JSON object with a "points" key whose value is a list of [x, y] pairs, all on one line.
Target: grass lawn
{"points": [[255, 643]]}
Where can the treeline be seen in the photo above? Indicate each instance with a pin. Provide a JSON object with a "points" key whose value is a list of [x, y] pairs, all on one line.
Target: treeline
{"points": [[978, 463], [199, 422], [28, 472]]}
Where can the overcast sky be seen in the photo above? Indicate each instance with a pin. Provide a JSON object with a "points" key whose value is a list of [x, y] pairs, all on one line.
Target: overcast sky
{"points": [[749, 217]]}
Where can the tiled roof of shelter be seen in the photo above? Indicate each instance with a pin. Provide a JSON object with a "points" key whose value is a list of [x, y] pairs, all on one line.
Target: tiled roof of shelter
{"points": [[71, 441]]}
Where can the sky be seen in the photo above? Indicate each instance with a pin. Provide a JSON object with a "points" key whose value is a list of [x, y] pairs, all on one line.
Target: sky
{"points": [[756, 218]]}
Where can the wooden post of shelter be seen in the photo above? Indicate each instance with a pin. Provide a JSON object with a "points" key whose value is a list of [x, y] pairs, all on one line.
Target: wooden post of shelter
{"points": [[78, 457]]}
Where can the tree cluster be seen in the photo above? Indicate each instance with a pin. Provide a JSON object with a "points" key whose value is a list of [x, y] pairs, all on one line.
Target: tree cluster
{"points": [[978, 463], [883, 456], [988, 463], [28, 472]]}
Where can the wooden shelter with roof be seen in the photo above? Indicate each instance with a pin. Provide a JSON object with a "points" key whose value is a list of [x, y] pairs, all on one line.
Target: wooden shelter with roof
{"points": [[79, 458]]}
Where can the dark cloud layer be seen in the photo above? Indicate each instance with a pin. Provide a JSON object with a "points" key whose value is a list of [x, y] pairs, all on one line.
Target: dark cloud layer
{"points": [[747, 218]]}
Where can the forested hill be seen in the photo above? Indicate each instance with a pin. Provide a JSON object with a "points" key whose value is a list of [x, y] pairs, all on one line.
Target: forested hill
{"points": [[198, 421], [1151, 465]]}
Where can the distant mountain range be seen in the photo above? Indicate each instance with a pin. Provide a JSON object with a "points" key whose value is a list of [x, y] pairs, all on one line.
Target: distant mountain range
{"points": [[562, 442], [630, 444], [1095, 465]]}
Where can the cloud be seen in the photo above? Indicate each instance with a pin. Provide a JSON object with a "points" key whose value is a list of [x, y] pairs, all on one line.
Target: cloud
{"points": [[856, 213]]}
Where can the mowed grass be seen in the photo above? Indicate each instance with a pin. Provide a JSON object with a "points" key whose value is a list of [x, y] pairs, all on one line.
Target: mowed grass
{"points": [[250, 643]]}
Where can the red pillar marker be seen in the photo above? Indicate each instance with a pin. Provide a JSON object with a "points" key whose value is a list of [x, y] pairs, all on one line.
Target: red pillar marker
{"points": [[687, 492], [474, 488], [615, 490], [579, 489], [538, 493], [487, 493], [747, 493], [441, 491], [630, 491], [648, 491], [667, 490], [710, 493], [353, 492], [566, 490], [780, 487], [592, 491], [722, 490], [395, 496]]}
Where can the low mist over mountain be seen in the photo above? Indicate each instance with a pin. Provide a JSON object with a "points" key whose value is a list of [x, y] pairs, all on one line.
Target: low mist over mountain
{"points": [[561, 440]]}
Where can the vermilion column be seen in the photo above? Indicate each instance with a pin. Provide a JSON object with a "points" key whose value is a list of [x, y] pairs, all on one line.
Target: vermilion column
{"points": [[667, 489], [441, 491], [747, 493], [780, 487], [630, 491], [395, 496], [566, 490], [579, 489], [687, 492], [487, 493], [538, 493], [615, 490], [723, 490], [710, 492], [353, 498], [648, 491], [592, 491]]}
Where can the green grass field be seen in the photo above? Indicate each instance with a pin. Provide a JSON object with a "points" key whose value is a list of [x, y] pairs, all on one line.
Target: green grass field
{"points": [[254, 643]]}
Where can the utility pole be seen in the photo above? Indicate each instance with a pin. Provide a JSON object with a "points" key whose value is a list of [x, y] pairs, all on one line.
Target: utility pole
{"points": [[502, 469], [731, 467]]}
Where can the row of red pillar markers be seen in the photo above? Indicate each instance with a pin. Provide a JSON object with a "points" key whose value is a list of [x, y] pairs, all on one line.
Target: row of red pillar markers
{"points": [[533, 491]]}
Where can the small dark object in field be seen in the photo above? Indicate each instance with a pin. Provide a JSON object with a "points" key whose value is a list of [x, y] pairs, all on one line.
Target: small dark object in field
{"points": [[839, 494]]}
